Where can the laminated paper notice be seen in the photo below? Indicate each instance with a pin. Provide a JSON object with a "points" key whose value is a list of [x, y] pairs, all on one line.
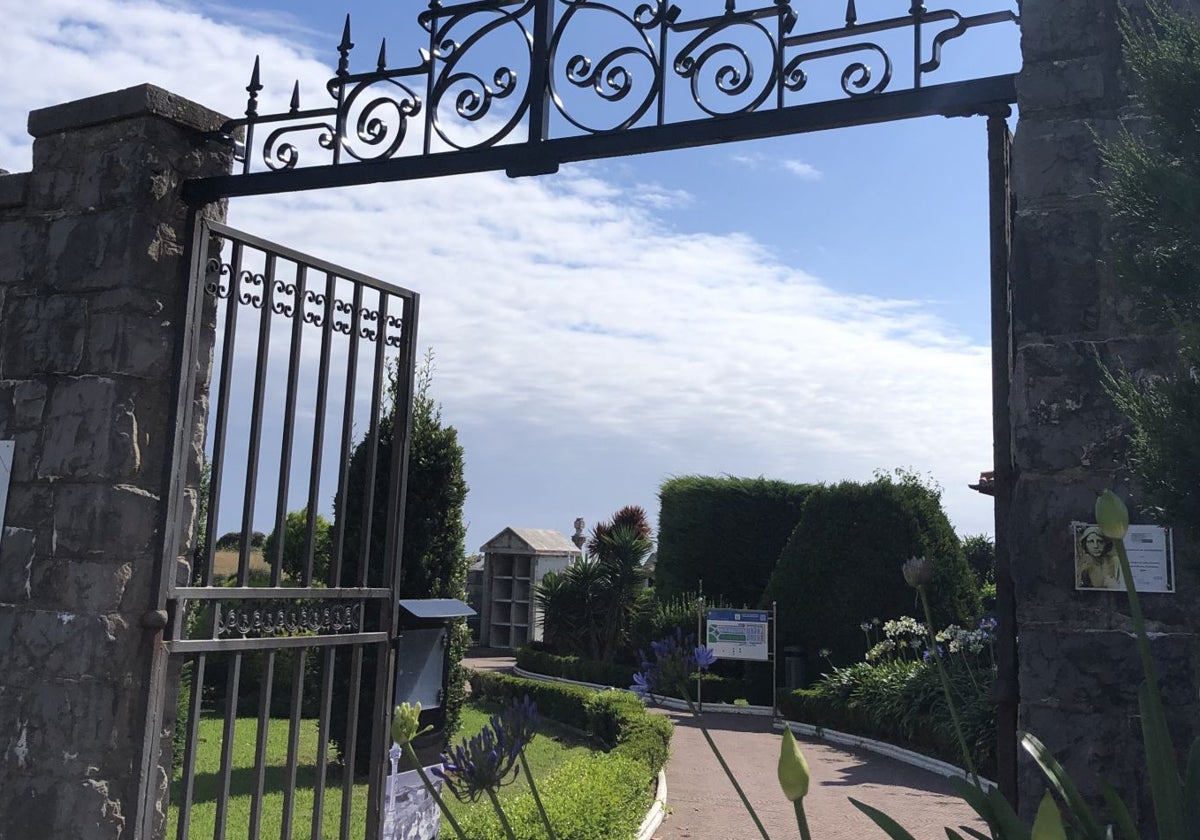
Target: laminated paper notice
{"points": [[1150, 554]]}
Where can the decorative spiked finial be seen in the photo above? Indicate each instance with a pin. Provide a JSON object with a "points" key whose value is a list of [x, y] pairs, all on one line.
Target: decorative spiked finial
{"points": [[730, 6], [381, 66], [851, 14], [344, 50], [295, 106], [253, 88]]}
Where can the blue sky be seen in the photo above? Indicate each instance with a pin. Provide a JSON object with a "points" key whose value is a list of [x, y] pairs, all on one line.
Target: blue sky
{"points": [[810, 308]]}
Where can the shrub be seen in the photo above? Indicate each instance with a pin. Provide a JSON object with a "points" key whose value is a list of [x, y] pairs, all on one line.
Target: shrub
{"points": [[575, 668], [847, 553], [592, 797], [980, 553], [727, 532], [296, 547], [617, 720]]}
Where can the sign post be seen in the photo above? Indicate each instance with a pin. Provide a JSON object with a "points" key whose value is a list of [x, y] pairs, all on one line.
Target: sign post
{"points": [[744, 634]]}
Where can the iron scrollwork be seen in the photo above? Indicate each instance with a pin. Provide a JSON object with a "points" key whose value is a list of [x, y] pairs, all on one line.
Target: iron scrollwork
{"points": [[275, 619], [505, 72]]}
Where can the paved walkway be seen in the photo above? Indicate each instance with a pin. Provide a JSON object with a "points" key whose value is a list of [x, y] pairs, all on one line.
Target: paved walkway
{"points": [[703, 805]]}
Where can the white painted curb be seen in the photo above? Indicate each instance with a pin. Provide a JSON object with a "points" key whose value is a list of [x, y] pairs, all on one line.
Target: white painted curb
{"points": [[657, 812]]}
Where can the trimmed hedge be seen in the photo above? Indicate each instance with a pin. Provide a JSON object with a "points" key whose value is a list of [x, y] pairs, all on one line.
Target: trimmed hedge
{"points": [[616, 719], [843, 565], [592, 797], [715, 689], [726, 531]]}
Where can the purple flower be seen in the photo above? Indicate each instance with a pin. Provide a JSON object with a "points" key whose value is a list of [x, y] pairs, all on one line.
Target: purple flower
{"points": [[483, 763], [704, 658], [641, 686], [520, 720]]}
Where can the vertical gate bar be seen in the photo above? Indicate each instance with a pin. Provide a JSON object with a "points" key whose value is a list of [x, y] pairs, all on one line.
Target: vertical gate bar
{"points": [[318, 447], [318, 811], [289, 427], [539, 78], [260, 746], [1000, 212], [351, 753], [256, 417], [188, 781], [384, 661], [662, 72], [401, 432], [429, 79], [188, 320], [228, 732], [372, 440], [918, 13], [221, 428], [347, 432], [293, 748], [335, 569]]}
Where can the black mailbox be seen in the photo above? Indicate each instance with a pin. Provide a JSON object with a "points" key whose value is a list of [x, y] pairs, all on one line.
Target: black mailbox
{"points": [[423, 654]]}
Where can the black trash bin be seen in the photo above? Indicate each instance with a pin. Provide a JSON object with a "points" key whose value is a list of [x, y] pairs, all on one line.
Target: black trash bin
{"points": [[793, 667]]}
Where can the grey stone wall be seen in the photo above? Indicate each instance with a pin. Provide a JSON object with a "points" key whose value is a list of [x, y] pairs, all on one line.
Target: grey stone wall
{"points": [[1078, 667], [92, 280]]}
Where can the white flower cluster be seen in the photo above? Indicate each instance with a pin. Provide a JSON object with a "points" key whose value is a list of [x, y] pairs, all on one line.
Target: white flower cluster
{"points": [[958, 639]]}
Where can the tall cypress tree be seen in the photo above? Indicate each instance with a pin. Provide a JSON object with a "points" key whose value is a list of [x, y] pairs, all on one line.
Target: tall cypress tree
{"points": [[433, 561]]}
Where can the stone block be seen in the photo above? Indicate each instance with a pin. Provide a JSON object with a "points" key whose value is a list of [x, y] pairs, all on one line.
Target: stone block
{"points": [[90, 586], [91, 430], [58, 643], [13, 188], [43, 334], [17, 549], [31, 506], [130, 344], [1088, 85], [1060, 29], [1056, 162], [1059, 253], [1062, 419], [102, 519], [115, 249]]}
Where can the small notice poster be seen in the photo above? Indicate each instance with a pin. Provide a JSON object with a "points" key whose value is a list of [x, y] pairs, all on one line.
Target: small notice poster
{"points": [[409, 812], [738, 634], [1151, 559], [7, 447]]}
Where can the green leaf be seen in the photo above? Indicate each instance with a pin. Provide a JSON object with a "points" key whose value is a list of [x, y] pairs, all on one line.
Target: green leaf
{"points": [[1160, 764], [977, 834], [1062, 784], [954, 835], [1191, 791], [1010, 826], [1120, 812], [1048, 824], [892, 828]]}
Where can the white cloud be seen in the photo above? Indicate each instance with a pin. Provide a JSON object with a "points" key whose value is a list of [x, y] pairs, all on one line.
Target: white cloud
{"points": [[567, 314], [801, 169], [758, 160]]}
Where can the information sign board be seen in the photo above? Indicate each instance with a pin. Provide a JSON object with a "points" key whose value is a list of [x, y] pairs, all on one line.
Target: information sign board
{"points": [[738, 634]]}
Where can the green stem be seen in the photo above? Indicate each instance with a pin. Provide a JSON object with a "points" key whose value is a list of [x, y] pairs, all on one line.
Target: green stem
{"points": [[941, 669], [500, 813], [729, 773], [412, 756], [801, 819], [536, 797], [1135, 615]]}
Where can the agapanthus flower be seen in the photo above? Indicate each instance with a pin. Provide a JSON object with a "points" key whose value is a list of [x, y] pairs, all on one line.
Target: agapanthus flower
{"points": [[485, 762], [670, 665], [918, 571], [520, 720]]}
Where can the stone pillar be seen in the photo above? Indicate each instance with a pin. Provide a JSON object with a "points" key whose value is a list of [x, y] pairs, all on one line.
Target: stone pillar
{"points": [[1078, 666], [93, 281]]}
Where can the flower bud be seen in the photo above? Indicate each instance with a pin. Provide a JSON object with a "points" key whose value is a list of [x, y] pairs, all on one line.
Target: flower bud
{"points": [[1111, 515], [793, 769], [406, 722], [918, 572]]}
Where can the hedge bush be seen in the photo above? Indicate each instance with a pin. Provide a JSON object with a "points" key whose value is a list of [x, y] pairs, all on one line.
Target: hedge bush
{"points": [[716, 688], [903, 703], [616, 719], [843, 563], [592, 797], [726, 531]]}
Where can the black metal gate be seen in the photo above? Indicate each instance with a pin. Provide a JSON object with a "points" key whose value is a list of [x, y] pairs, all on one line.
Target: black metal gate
{"points": [[276, 639]]}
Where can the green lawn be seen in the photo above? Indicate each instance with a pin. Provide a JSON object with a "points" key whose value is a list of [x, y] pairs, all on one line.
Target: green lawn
{"points": [[551, 748]]}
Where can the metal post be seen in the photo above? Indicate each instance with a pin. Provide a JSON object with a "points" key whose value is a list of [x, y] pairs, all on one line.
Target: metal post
{"points": [[1001, 212], [774, 660], [699, 636]]}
